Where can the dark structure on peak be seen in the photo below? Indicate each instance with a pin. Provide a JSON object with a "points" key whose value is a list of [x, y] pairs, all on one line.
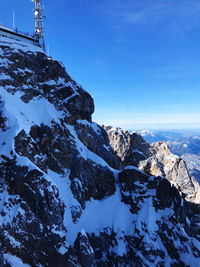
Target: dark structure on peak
{"points": [[12, 35], [39, 31]]}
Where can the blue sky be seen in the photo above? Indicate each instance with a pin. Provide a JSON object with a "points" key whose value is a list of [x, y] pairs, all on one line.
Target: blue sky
{"points": [[139, 59]]}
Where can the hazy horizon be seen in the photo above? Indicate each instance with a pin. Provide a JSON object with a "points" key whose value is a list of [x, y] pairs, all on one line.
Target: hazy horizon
{"points": [[188, 128]]}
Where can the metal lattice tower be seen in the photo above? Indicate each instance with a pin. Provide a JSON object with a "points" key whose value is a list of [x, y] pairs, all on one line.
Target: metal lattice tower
{"points": [[39, 31]]}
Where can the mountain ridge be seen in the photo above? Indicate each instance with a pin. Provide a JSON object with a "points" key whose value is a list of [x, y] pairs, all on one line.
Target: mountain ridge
{"points": [[67, 198]]}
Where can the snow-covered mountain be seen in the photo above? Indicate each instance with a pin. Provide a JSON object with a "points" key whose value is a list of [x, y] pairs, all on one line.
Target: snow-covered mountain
{"points": [[179, 142], [75, 194], [152, 136], [185, 145]]}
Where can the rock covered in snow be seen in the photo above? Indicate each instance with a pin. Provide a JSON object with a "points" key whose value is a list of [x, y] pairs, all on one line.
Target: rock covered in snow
{"points": [[34, 75], [67, 196], [41, 109], [129, 147], [164, 163], [155, 159]]}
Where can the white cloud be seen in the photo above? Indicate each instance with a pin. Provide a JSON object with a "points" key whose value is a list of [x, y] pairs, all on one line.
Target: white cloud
{"points": [[178, 14]]}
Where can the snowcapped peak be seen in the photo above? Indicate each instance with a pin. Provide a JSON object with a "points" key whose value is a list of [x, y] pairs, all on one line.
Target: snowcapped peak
{"points": [[73, 193], [33, 82]]}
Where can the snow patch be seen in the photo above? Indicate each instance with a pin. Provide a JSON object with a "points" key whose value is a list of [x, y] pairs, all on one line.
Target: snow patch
{"points": [[25, 115], [15, 261]]}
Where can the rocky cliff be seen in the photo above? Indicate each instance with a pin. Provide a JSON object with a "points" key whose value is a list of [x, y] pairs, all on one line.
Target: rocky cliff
{"points": [[155, 159], [71, 192]]}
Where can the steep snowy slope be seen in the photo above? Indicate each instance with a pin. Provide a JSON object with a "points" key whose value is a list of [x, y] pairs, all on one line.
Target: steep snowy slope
{"points": [[66, 197]]}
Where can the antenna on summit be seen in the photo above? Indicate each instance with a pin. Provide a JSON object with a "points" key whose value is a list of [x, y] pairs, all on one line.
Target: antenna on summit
{"points": [[39, 31]]}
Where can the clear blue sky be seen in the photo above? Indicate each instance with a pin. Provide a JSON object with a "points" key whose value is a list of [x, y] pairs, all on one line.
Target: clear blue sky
{"points": [[139, 59]]}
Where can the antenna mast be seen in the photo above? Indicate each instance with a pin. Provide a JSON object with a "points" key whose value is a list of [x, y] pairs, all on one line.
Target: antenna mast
{"points": [[39, 31]]}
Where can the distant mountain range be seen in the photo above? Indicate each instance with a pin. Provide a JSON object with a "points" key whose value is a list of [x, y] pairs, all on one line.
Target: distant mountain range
{"points": [[181, 143], [187, 145], [157, 136]]}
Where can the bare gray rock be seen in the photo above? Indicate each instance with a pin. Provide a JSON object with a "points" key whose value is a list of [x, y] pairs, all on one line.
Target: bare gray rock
{"points": [[155, 159], [129, 147], [164, 163]]}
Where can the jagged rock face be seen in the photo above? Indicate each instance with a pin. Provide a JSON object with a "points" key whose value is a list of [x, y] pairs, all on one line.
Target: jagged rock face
{"points": [[38, 144], [158, 217], [54, 149], [100, 145], [47, 147], [159, 196], [32, 213], [84, 250], [195, 176], [156, 159], [129, 147], [36, 76], [67, 197], [2, 118], [164, 163]]}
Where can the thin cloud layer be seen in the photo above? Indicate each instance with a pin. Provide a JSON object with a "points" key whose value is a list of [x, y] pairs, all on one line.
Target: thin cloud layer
{"points": [[184, 14]]}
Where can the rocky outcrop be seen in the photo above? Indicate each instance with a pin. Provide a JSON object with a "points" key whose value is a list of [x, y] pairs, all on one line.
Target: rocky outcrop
{"points": [[32, 215], [129, 147], [95, 138], [47, 147], [195, 176], [159, 195], [164, 163], [3, 120], [71, 192], [84, 250], [47, 139], [35, 75], [155, 159]]}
